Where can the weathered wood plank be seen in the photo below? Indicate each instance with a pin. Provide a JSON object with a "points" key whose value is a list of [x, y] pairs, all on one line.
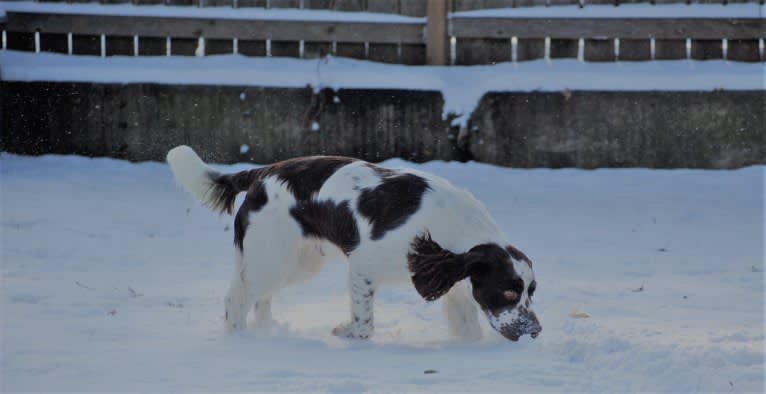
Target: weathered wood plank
{"points": [[409, 33], [349, 5], [635, 50], [318, 4], [86, 44], [563, 48], [414, 54], [284, 3], [707, 49], [250, 3], [217, 3], [119, 46], [152, 46], [352, 50], [412, 7], [20, 41], [183, 46], [52, 42], [384, 6], [467, 5], [470, 51], [743, 50], [312, 50], [285, 48], [437, 50], [251, 47], [386, 53], [530, 49], [599, 50], [670, 49], [639, 28], [218, 47]]}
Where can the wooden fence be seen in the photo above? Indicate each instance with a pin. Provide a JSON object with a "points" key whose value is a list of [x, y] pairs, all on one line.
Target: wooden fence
{"points": [[439, 38]]}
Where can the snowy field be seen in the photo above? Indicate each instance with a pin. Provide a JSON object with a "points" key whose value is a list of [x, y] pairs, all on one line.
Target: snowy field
{"points": [[649, 280]]}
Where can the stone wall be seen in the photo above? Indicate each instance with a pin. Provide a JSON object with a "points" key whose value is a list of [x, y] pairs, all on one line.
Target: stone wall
{"points": [[722, 129]]}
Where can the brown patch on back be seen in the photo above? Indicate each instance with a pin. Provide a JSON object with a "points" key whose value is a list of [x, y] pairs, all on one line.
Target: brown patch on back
{"points": [[304, 176], [328, 220], [390, 204]]}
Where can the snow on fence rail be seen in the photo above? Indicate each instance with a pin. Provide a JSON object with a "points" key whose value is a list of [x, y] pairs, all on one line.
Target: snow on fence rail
{"points": [[593, 33]]}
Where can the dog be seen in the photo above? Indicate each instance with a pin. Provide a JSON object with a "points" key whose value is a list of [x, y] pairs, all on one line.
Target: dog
{"points": [[390, 225]]}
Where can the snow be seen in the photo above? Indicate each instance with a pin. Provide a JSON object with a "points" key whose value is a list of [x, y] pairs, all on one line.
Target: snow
{"points": [[248, 13], [644, 10], [461, 86], [649, 280]]}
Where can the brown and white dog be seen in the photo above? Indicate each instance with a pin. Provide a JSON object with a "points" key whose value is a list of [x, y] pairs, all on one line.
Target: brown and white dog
{"points": [[390, 225]]}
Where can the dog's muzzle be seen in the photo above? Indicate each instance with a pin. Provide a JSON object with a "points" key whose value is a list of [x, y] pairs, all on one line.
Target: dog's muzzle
{"points": [[512, 323]]}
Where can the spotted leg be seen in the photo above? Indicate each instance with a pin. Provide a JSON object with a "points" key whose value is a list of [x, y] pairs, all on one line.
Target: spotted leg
{"points": [[362, 291]]}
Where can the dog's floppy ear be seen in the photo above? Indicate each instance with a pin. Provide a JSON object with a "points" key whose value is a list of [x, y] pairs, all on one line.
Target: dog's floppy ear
{"points": [[434, 269]]}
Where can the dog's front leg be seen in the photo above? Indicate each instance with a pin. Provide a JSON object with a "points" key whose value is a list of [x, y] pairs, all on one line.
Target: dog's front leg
{"points": [[362, 291]]}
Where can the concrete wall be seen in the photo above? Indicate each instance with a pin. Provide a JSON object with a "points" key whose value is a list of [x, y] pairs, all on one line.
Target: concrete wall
{"points": [[534, 129]]}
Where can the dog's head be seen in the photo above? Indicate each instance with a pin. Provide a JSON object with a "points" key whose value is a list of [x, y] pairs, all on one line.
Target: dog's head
{"points": [[501, 278]]}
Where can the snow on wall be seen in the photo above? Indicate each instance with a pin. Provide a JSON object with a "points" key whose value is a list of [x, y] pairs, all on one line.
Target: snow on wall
{"points": [[461, 86]]}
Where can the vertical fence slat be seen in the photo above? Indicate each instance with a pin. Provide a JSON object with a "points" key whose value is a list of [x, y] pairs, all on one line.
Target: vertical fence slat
{"points": [[312, 50], [530, 49], [385, 53], [413, 54], [669, 49], [707, 49], [563, 48], [151, 46], [598, 50], [86, 44], [527, 3], [635, 50], [52, 42], [743, 50], [218, 47], [251, 47], [183, 46], [437, 50], [350, 49], [119, 45]]}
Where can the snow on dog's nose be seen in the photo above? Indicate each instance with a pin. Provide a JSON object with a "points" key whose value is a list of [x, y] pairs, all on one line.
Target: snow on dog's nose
{"points": [[512, 323]]}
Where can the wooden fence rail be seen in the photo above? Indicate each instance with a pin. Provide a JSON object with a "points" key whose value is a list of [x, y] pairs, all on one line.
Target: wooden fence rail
{"points": [[402, 7], [475, 40]]}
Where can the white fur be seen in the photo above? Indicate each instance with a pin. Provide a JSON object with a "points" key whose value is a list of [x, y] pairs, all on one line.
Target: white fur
{"points": [[190, 172], [276, 253]]}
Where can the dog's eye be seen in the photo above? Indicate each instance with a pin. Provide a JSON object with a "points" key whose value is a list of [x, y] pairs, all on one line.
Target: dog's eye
{"points": [[532, 287], [511, 295]]}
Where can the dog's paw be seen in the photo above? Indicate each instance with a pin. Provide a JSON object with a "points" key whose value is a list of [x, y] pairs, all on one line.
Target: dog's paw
{"points": [[351, 331]]}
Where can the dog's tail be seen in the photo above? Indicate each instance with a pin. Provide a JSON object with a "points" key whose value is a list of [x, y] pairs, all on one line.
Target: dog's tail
{"points": [[215, 190]]}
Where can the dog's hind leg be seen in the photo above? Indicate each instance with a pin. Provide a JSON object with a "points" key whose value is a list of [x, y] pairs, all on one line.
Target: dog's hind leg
{"points": [[362, 291]]}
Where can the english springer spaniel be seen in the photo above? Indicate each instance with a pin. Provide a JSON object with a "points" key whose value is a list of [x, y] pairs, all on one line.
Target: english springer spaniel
{"points": [[389, 224]]}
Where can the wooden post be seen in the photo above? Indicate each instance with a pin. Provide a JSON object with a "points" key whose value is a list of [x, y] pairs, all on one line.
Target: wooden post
{"points": [[436, 32]]}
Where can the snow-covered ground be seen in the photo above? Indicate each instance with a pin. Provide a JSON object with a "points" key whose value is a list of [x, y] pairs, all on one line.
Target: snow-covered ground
{"points": [[113, 278]]}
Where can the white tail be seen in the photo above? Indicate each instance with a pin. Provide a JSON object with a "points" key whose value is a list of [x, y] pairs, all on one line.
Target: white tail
{"points": [[193, 174]]}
